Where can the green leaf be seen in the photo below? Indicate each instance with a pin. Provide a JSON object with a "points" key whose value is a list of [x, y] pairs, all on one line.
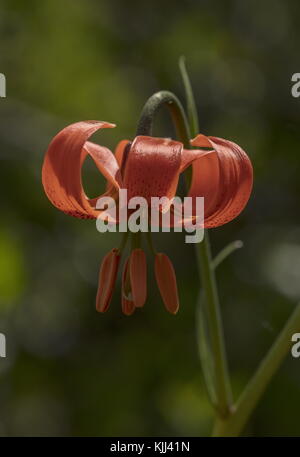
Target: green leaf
{"points": [[191, 105], [225, 252]]}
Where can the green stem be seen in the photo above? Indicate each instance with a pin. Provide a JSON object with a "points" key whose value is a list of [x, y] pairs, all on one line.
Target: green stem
{"points": [[153, 105], [208, 281], [123, 242], [135, 240], [257, 385], [233, 423]]}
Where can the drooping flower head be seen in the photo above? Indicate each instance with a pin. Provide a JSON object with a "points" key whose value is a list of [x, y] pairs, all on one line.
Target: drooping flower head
{"points": [[146, 167]]}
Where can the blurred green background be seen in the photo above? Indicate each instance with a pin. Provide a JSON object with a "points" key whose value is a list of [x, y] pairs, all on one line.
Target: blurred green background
{"points": [[69, 370]]}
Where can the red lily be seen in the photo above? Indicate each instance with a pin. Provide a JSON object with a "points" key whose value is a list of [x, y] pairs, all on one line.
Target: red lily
{"points": [[147, 167]]}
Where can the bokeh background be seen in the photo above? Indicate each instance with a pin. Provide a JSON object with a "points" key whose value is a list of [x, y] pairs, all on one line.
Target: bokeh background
{"points": [[69, 370]]}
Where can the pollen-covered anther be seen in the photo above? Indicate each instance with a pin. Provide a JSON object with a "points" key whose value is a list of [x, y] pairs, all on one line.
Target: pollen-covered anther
{"points": [[166, 281], [138, 277], [107, 278]]}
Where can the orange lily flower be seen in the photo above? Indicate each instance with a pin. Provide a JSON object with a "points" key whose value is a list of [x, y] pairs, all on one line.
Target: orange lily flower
{"points": [[147, 167]]}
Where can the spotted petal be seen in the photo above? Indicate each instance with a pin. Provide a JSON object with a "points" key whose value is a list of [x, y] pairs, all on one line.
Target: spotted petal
{"points": [[61, 174], [152, 168], [224, 178]]}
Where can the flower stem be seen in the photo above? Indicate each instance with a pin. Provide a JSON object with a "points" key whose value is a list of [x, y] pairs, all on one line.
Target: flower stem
{"points": [[135, 240], [123, 242], [153, 105], [150, 243], [208, 281], [233, 423]]}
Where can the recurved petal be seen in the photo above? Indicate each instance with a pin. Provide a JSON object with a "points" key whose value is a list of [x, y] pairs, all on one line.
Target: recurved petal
{"points": [[138, 277], [61, 173], [107, 278], [121, 152], [105, 161], [176, 212], [189, 156], [120, 149], [166, 281], [152, 167], [224, 178], [128, 306]]}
